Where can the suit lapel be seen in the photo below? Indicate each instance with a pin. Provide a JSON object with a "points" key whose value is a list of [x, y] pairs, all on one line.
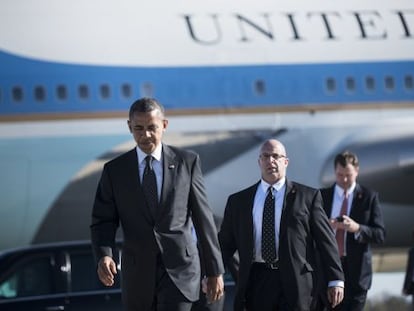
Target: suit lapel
{"points": [[356, 203], [170, 166], [287, 209]]}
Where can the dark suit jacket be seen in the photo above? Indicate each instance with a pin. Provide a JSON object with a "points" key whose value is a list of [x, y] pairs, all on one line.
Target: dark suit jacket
{"points": [[303, 227], [120, 200], [366, 211], [409, 274]]}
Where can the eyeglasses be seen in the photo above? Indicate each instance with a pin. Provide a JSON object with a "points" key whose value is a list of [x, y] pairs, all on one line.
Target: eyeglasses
{"points": [[267, 156]]}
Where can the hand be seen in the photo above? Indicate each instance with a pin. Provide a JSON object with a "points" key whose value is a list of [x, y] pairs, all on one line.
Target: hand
{"points": [[335, 295], [107, 270], [348, 224], [215, 288]]}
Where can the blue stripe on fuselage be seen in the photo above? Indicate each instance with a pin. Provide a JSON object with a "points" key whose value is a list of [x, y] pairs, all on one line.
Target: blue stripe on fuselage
{"points": [[244, 86]]}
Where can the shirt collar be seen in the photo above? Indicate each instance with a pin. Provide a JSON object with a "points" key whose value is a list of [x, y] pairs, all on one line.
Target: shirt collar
{"points": [[339, 191], [156, 154], [277, 186]]}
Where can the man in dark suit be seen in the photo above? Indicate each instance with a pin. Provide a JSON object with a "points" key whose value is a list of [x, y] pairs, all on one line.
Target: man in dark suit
{"points": [[156, 200], [408, 287], [356, 217], [279, 275]]}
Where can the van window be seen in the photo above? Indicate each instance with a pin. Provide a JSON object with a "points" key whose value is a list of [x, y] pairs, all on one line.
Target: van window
{"points": [[83, 272], [31, 278]]}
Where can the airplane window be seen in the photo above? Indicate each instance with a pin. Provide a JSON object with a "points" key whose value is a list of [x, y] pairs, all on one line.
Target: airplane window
{"points": [[409, 83], [260, 87], [83, 91], [370, 83], [331, 85], [61, 92], [105, 91], [350, 84], [126, 90], [147, 90], [389, 83], [17, 93], [39, 93]]}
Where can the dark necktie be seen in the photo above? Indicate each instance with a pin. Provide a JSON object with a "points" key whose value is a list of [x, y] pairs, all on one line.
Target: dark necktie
{"points": [[268, 228], [340, 233], [149, 184]]}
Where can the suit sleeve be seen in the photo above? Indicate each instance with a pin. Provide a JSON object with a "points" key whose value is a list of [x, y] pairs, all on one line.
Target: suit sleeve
{"points": [[105, 220], [204, 224], [325, 241], [226, 236], [374, 230]]}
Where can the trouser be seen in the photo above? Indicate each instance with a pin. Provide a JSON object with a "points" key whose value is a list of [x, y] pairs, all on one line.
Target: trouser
{"points": [[203, 305], [354, 296], [264, 291], [168, 296]]}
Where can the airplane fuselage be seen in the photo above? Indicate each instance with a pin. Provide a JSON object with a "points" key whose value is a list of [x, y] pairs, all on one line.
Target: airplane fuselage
{"points": [[320, 76]]}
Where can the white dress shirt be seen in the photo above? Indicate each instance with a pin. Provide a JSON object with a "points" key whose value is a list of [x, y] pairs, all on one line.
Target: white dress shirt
{"points": [[258, 205]]}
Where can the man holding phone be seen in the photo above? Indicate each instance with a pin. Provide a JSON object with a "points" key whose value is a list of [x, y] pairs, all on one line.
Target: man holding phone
{"points": [[355, 215]]}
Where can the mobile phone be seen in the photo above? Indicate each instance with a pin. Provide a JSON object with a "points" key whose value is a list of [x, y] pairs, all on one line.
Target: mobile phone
{"points": [[339, 219]]}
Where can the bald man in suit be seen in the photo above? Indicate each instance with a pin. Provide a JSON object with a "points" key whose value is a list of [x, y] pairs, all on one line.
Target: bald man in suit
{"points": [[279, 275], [156, 193]]}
